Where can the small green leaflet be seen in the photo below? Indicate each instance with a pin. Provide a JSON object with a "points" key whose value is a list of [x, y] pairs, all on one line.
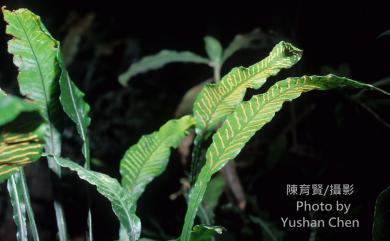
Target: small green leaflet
{"points": [[214, 49], [380, 231], [121, 200], [159, 60], [149, 157], [216, 101]]}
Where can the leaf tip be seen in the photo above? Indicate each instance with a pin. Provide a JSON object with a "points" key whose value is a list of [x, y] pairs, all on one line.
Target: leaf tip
{"points": [[290, 50]]}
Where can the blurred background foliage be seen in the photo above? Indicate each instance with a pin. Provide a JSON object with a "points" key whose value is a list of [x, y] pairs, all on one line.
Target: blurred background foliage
{"points": [[335, 137]]}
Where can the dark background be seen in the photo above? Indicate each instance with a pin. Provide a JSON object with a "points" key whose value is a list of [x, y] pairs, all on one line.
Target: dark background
{"points": [[338, 141]]}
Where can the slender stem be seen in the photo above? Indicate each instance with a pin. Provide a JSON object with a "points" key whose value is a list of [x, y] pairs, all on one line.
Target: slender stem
{"points": [[89, 217], [30, 212], [195, 199], [217, 72], [89, 224], [87, 165]]}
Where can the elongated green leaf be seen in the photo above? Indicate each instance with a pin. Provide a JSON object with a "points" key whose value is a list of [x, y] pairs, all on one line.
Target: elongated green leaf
{"points": [[12, 106], [254, 39], [121, 200], [149, 157], [216, 101], [75, 107], [380, 231], [159, 60], [18, 203], [214, 49], [35, 55], [242, 124]]}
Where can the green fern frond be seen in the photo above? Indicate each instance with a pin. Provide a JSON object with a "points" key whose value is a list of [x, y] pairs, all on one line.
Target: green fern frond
{"points": [[149, 157]]}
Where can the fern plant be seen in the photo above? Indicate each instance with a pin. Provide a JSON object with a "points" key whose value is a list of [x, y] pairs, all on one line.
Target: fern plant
{"points": [[28, 125]]}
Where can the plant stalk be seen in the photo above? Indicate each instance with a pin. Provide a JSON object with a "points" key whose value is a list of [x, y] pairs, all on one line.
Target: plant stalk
{"points": [[217, 72], [198, 192], [87, 165]]}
